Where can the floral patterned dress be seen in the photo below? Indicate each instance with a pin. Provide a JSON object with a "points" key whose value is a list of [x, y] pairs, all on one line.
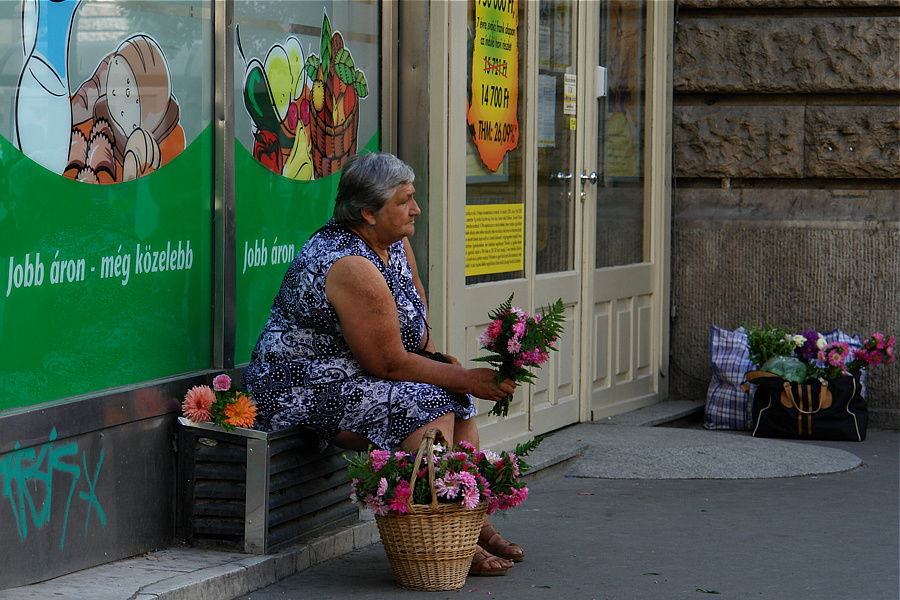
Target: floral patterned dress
{"points": [[303, 373]]}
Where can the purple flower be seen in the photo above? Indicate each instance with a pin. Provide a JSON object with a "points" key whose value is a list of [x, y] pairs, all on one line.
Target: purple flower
{"points": [[222, 383], [810, 349]]}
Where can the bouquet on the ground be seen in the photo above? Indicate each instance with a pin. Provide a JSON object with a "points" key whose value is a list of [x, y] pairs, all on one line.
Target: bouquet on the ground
{"points": [[463, 474], [219, 404], [518, 341], [808, 355]]}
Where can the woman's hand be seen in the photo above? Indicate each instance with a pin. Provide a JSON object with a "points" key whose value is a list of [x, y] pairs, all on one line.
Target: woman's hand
{"points": [[482, 381], [453, 360]]}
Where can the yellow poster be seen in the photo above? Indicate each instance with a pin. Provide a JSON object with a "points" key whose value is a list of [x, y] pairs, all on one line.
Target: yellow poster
{"points": [[493, 105], [495, 236]]}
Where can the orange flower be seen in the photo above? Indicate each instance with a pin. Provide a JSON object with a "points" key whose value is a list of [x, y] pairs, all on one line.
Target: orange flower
{"points": [[241, 413], [198, 403]]}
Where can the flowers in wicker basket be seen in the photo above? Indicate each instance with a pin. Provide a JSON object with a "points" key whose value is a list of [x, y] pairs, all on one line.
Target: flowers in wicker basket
{"points": [[219, 404], [517, 341], [808, 355], [463, 474]]}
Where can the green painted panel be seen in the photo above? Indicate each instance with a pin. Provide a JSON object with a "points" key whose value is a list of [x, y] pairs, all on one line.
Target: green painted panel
{"points": [[102, 285], [274, 216]]}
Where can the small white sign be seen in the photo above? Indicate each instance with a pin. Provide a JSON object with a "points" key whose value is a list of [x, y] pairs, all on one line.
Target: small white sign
{"points": [[570, 93]]}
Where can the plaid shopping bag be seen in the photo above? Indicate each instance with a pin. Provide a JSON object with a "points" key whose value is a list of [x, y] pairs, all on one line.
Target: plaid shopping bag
{"points": [[727, 405]]}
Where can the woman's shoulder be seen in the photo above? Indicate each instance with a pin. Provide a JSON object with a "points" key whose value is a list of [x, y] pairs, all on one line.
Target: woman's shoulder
{"points": [[332, 242]]}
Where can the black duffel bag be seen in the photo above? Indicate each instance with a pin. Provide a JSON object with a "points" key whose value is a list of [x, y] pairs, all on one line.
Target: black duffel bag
{"points": [[816, 410]]}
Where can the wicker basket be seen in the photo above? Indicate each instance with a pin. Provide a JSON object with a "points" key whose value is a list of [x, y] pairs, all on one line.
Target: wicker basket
{"points": [[431, 547]]}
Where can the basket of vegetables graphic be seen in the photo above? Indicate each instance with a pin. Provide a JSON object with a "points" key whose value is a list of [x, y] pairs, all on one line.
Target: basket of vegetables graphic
{"points": [[337, 87]]}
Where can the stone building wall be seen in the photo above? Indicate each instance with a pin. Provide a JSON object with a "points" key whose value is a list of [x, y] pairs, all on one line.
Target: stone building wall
{"points": [[786, 207]]}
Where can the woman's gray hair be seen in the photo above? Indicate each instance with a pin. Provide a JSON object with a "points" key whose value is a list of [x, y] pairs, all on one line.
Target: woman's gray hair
{"points": [[368, 181]]}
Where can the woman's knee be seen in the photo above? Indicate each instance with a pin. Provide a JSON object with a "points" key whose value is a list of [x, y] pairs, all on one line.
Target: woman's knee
{"points": [[465, 430], [445, 423], [350, 440]]}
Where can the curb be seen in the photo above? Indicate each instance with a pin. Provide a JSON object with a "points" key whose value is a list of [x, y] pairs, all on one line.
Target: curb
{"points": [[249, 573]]}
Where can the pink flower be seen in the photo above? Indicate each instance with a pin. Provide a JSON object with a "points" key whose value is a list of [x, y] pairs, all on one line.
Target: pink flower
{"points": [[466, 445], [467, 479], [376, 505], [379, 458], [470, 498], [198, 402], [495, 328], [834, 354], [493, 505], [485, 340], [222, 383], [402, 494], [447, 487], [519, 328], [382, 487], [513, 346]]}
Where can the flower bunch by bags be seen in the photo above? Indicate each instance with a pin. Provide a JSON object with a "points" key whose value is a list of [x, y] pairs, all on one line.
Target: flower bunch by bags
{"points": [[808, 355]]}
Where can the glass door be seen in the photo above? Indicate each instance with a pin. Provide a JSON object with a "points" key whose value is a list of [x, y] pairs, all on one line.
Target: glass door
{"points": [[557, 243], [626, 226], [560, 199]]}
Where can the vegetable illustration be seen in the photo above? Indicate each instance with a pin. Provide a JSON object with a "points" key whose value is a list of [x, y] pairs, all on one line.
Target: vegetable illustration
{"points": [[305, 111], [337, 87]]}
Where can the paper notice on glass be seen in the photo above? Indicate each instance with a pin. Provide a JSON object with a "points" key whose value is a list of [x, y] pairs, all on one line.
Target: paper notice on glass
{"points": [[546, 111], [570, 93]]}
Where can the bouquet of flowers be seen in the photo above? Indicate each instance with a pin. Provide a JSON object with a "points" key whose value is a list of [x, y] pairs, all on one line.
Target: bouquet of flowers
{"points": [[220, 404], [519, 340], [808, 355], [380, 478]]}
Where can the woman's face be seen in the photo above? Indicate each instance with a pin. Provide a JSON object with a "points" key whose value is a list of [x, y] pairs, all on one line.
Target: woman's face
{"points": [[397, 217]]}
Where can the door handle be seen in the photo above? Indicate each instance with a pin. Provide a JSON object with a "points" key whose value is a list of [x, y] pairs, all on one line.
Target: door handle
{"points": [[561, 175], [592, 178]]}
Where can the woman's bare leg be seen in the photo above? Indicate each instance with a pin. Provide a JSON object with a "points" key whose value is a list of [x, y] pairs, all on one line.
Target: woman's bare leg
{"points": [[350, 440], [466, 430], [444, 423]]}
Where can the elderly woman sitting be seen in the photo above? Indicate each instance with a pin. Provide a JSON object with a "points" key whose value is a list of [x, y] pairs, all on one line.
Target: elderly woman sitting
{"points": [[339, 351]]}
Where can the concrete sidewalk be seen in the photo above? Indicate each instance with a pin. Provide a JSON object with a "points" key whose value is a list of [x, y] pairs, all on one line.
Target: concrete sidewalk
{"points": [[582, 477]]}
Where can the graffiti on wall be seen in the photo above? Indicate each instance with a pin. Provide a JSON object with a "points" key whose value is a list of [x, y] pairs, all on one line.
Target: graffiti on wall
{"points": [[29, 476], [120, 124], [304, 111]]}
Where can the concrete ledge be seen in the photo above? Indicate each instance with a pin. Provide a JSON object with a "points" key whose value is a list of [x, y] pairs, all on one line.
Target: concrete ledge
{"points": [[656, 414], [191, 573]]}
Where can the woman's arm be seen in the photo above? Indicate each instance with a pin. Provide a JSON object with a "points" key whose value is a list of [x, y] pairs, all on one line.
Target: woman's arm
{"points": [[368, 315], [411, 259]]}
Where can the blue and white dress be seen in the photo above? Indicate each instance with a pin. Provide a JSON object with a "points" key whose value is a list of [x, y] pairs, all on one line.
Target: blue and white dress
{"points": [[303, 373]]}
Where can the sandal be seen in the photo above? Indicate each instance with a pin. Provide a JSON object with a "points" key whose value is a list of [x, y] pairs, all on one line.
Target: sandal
{"points": [[484, 564], [491, 540]]}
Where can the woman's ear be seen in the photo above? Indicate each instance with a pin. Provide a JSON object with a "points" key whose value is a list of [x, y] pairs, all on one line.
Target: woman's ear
{"points": [[368, 216]]}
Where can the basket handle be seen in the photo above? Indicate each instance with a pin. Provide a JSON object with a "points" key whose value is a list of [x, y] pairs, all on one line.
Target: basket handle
{"points": [[432, 435]]}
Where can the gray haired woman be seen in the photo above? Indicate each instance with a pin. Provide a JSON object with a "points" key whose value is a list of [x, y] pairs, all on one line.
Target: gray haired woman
{"points": [[342, 351]]}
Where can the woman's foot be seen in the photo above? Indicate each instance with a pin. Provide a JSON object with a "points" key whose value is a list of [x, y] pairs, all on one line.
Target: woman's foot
{"points": [[485, 564], [491, 540]]}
